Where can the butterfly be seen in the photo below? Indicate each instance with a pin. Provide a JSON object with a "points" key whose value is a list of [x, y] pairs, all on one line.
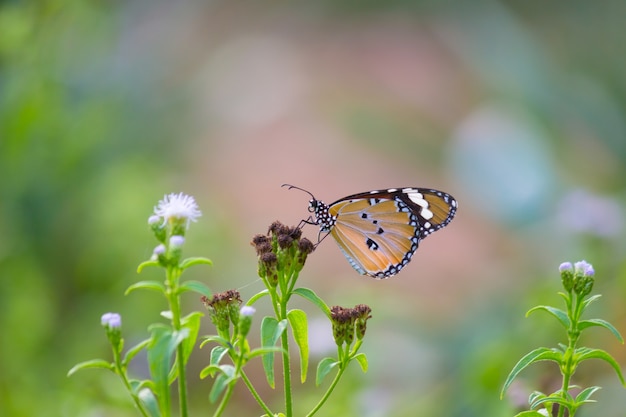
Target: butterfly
{"points": [[378, 231]]}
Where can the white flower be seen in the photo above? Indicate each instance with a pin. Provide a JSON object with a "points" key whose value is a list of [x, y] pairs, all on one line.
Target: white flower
{"points": [[178, 206]]}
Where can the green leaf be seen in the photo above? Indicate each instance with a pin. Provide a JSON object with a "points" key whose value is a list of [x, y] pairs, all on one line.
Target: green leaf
{"points": [[591, 300], [560, 315], [147, 285], [271, 330], [146, 264], [531, 413], [583, 324], [586, 353], [256, 296], [221, 382], [217, 353], [94, 363], [132, 352], [160, 351], [262, 351], [312, 297], [186, 263], [150, 402], [323, 368], [191, 322], [361, 358], [209, 370], [539, 354], [215, 338], [195, 286], [584, 395], [299, 328]]}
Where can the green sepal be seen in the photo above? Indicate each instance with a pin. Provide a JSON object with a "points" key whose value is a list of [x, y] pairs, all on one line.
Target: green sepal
{"points": [[559, 314], [132, 352], [186, 263], [148, 285], [361, 358], [314, 298], [323, 368], [299, 329], [146, 264], [582, 354], [583, 324], [195, 286], [539, 354], [92, 364], [271, 330]]}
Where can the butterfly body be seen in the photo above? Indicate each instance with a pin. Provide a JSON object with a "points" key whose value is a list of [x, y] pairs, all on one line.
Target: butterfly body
{"points": [[379, 231]]}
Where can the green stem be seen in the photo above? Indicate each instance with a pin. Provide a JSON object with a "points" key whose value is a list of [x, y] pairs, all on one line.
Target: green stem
{"points": [[173, 275], [225, 400], [330, 389], [286, 364], [122, 373], [255, 394]]}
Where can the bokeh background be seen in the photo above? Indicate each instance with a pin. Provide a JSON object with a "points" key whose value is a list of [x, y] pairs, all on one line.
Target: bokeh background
{"points": [[515, 108]]}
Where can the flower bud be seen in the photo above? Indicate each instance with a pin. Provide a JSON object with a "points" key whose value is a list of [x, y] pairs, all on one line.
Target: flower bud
{"points": [[245, 320]]}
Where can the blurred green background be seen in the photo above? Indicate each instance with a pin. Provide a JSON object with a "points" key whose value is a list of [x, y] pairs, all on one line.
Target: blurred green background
{"points": [[516, 108]]}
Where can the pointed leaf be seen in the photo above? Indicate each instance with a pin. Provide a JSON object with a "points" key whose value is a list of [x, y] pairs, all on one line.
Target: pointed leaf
{"points": [[215, 338], [147, 285], [134, 351], [186, 263], [195, 286], [262, 351], [299, 329], [312, 297], [584, 395], [591, 300], [146, 264], [256, 296], [601, 354], [362, 360], [539, 354], [217, 353], [160, 352], [531, 413], [560, 315], [323, 368], [221, 382], [271, 330], [94, 363], [192, 323], [149, 402], [583, 324]]}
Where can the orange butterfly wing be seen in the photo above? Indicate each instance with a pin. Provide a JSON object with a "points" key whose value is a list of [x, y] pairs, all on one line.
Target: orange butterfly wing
{"points": [[379, 231]]}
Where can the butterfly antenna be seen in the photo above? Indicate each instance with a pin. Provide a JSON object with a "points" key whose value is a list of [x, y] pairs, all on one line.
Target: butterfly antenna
{"points": [[298, 188]]}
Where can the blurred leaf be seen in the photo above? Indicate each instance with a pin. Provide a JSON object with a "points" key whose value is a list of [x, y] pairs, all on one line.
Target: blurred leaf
{"points": [[195, 286], [186, 263], [94, 363], [256, 296], [130, 354], [584, 395], [147, 264], [160, 352], [147, 285], [221, 382]]}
